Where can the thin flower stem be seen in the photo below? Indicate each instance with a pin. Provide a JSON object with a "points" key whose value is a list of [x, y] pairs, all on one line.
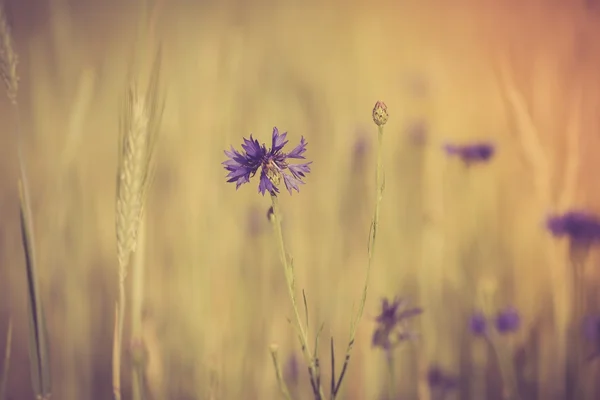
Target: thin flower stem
{"points": [[374, 226], [392, 374], [290, 280], [371, 251], [578, 315]]}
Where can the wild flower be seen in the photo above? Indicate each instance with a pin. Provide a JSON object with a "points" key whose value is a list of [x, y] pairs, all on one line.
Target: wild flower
{"points": [[478, 323], [579, 226], [507, 320], [393, 323], [478, 152], [440, 382], [273, 164]]}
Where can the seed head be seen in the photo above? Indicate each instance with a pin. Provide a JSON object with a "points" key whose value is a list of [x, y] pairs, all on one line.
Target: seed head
{"points": [[380, 113]]}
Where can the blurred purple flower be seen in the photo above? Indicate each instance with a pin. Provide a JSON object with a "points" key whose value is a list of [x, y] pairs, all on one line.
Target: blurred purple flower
{"points": [[291, 371], [273, 164], [440, 381], [579, 226], [417, 132], [392, 323], [360, 151], [508, 320], [471, 153], [361, 146], [478, 323]]}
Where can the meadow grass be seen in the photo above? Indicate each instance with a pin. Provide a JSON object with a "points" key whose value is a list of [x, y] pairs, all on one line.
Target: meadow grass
{"points": [[206, 292]]}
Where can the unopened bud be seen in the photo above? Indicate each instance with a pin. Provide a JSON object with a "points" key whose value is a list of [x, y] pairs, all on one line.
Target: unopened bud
{"points": [[380, 114]]}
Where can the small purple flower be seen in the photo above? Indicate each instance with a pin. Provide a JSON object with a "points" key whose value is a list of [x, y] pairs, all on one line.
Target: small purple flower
{"points": [[508, 320], [392, 323], [440, 381], [273, 164], [478, 323], [471, 153], [579, 226]]}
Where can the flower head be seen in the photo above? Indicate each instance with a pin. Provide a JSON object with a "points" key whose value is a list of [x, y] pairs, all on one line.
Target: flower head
{"points": [[478, 323], [508, 320], [440, 381], [380, 113], [392, 323], [578, 226], [471, 153], [273, 164]]}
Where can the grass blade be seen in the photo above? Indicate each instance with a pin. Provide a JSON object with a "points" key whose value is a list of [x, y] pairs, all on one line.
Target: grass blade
{"points": [[38, 340], [6, 365]]}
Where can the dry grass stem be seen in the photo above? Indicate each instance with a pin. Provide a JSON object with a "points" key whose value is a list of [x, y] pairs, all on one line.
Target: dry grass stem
{"points": [[6, 364]]}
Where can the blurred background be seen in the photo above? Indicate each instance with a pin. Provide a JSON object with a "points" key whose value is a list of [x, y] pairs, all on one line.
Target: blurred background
{"points": [[521, 74]]}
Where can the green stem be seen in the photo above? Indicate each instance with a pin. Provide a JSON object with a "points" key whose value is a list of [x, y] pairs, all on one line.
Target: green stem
{"points": [[290, 280], [380, 185], [374, 228], [392, 375]]}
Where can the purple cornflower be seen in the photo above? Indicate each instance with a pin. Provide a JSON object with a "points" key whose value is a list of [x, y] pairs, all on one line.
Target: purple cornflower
{"points": [[440, 382], [471, 153], [273, 164], [478, 323], [392, 323], [579, 226], [508, 320]]}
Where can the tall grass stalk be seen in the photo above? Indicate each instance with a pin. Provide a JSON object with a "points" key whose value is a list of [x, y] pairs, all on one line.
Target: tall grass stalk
{"points": [[6, 364], [38, 340], [138, 131]]}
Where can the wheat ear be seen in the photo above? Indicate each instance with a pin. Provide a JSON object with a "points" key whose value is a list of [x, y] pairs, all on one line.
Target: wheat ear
{"points": [[138, 130]]}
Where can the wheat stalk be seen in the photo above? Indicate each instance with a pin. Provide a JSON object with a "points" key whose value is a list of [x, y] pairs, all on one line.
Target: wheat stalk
{"points": [[138, 130], [38, 340]]}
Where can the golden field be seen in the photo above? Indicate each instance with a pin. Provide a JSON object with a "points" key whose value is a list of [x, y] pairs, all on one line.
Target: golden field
{"points": [[523, 75]]}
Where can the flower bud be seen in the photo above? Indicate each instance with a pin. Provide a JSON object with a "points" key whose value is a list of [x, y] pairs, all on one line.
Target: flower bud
{"points": [[380, 114]]}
